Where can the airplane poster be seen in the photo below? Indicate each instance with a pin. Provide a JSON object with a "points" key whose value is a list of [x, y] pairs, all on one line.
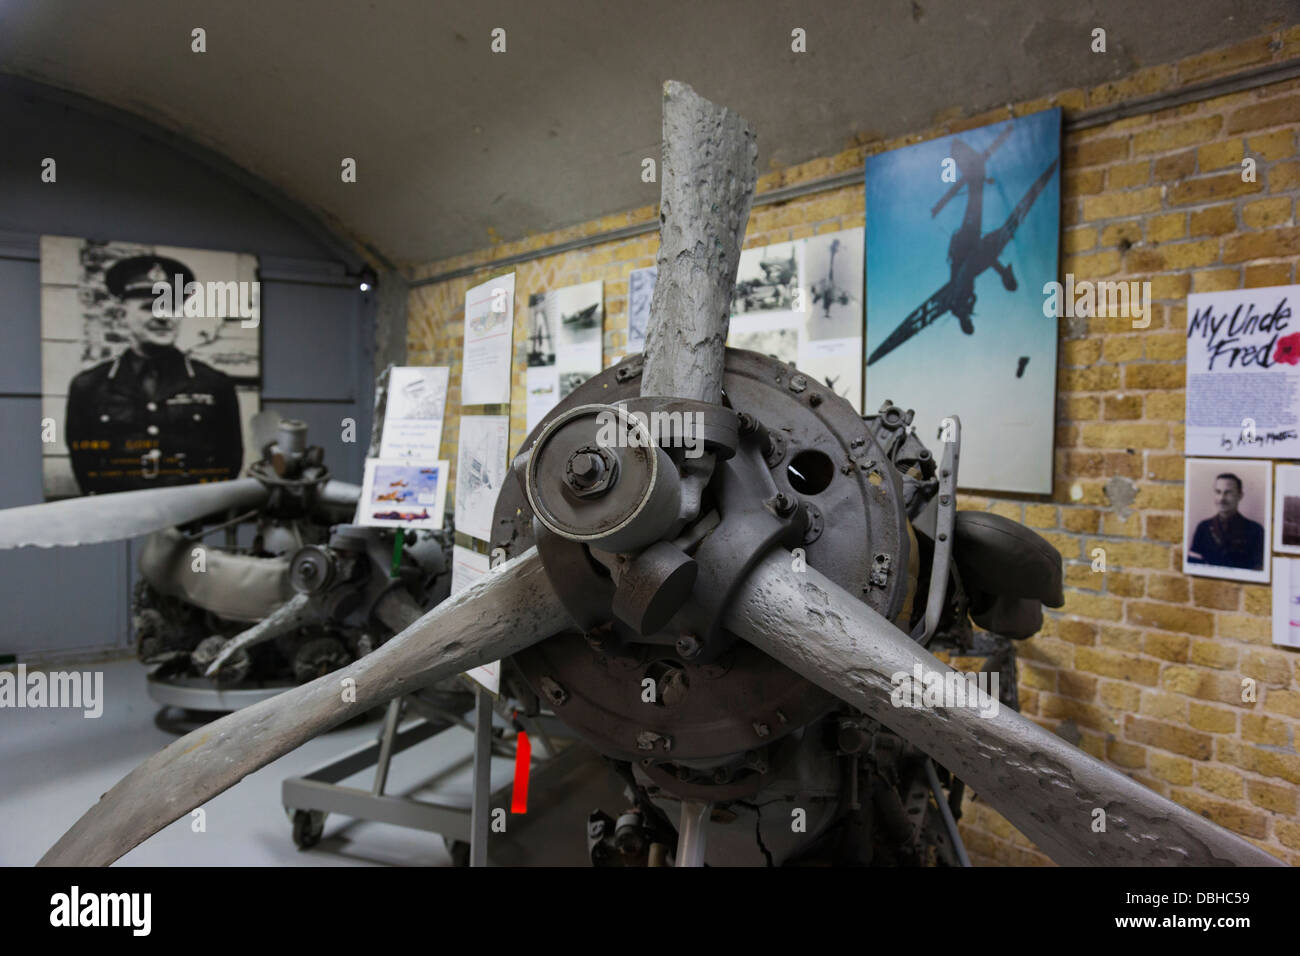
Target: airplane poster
{"points": [[963, 233]]}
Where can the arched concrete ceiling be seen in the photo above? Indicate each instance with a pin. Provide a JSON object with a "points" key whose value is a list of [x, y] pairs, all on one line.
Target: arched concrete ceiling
{"points": [[457, 146]]}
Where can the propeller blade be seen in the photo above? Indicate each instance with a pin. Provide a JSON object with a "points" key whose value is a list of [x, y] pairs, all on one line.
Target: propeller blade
{"points": [[126, 514], [342, 494], [1045, 787], [506, 611], [709, 172], [287, 617]]}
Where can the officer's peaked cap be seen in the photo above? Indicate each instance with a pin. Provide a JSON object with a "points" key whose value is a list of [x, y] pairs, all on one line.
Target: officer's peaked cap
{"points": [[134, 278]]}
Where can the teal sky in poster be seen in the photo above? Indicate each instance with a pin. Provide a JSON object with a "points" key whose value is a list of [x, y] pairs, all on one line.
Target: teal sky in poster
{"points": [[1007, 420]]}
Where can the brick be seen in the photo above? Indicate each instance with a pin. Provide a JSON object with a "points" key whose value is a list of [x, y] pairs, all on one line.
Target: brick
{"points": [[1167, 406], [1080, 519], [1123, 348], [1286, 702], [1165, 467], [1082, 182], [1208, 189], [1120, 638], [1121, 696], [1216, 280], [1176, 135], [1246, 821], [1117, 664], [1124, 754], [1079, 239], [1170, 286], [1273, 797], [1220, 595], [1246, 627], [1168, 617], [1272, 146], [1166, 736], [1155, 376], [1267, 666], [1095, 152], [1129, 554], [1275, 112], [1220, 781], [1214, 720], [1164, 706], [1210, 654], [1166, 227], [1266, 213], [1226, 59], [1117, 205], [1269, 731], [1176, 770], [1288, 833], [1040, 516], [1267, 274], [1273, 764], [1056, 707], [1218, 155], [1202, 684], [1101, 378], [1122, 233], [1283, 177], [1125, 585], [1126, 436], [1214, 220], [1093, 605], [1274, 243], [1164, 528], [1095, 265], [1169, 647], [1128, 175]]}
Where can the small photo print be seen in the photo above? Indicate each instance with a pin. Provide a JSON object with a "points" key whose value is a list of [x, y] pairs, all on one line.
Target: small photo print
{"points": [[1286, 602], [1227, 513], [403, 494], [1286, 510]]}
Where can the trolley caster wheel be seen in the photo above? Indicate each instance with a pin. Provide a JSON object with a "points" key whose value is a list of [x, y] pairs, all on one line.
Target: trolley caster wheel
{"points": [[459, 851], [308, 826]]}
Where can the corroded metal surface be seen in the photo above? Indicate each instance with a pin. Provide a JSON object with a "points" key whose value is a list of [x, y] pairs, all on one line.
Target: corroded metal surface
{"points": [[1048, 789], [498, 616], [708, 176]]}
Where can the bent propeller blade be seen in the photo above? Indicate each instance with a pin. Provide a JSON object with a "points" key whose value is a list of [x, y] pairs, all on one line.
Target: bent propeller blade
{"points": [[503, 613], [1048, 789], [126, 514]]}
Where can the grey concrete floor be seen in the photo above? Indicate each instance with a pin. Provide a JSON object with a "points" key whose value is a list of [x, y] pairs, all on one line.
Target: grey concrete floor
{"points": [[54, 764]]}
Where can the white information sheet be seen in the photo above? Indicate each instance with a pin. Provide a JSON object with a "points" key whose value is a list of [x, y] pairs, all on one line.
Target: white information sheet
{"points": [[480, 472], [489, 324], [417, 397]]}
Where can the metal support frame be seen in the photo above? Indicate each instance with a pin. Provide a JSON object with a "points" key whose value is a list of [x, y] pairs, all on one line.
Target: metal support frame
{"points": [[320, 790]]}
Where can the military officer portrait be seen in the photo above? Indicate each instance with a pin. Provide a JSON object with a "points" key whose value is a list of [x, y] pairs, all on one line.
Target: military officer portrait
{"points": [[153, 415], [1232, 540]]}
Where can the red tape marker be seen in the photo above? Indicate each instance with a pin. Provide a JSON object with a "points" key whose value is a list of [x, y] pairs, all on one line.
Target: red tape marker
{"points": [[523, 761]]}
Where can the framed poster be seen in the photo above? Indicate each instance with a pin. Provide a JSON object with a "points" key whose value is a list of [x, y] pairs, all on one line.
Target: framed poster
{"points": [[1243, 373], [150, 365], [480, 472], [1227, 513], [963, 236], [1286, 510]]}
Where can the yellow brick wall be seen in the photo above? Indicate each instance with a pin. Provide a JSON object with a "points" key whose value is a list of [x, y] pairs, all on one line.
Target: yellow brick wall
{"points": [[1143, 664]]}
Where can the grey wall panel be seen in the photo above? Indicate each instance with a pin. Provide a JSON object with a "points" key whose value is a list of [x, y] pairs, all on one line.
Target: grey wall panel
{"points": [[117, 181], [53, 601], [20, 338], [309, 341]]}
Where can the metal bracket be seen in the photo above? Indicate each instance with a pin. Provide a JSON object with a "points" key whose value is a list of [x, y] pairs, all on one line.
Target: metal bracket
{"points": [[944, 523]]}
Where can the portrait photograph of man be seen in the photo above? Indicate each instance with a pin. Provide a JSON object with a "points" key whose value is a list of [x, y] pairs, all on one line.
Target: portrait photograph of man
{"points": [[147, 381], [1227, 516]]}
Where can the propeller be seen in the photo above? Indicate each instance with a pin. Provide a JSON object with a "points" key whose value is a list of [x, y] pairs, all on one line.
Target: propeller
{"points": [[126, 514], [1046, 787]]}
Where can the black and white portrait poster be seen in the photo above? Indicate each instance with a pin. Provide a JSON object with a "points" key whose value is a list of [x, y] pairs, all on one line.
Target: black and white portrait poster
{"points": [[150, 365], [1227, 514], [1243, 373], [1286, 509]]}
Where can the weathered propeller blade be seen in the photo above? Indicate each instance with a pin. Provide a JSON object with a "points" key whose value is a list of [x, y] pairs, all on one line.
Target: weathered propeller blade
{"points": [[287, 617], [505, 612], [1050, 790], [127, 514], [707, 189]]}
